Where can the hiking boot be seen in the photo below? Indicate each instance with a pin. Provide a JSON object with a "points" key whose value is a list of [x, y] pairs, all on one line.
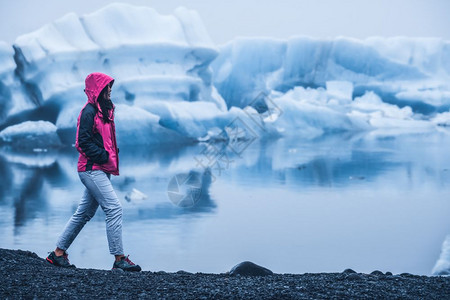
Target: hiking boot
{"points": [[126, 265], [60, 261]]}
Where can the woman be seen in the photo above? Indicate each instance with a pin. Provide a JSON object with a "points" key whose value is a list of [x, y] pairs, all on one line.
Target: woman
{"points": [[96, 142]]}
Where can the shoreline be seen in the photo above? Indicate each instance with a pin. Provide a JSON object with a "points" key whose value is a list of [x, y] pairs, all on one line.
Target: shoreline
{"points": [[26, 275]]}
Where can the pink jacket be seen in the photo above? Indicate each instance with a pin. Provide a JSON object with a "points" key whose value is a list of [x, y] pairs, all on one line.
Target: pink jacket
{"points": [[95, 139]]}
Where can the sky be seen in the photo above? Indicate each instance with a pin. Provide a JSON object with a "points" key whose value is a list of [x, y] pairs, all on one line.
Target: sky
{"points": [[227, 19]]}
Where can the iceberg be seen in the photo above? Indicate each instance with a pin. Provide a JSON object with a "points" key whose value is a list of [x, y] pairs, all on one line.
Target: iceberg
{"points": [[31, 135], [173, 85], [160, 62], [152, 57], [442, 266], [135, 196], [149, 54], [403, 71], [6, 67], [7, 64], [12, 95]]}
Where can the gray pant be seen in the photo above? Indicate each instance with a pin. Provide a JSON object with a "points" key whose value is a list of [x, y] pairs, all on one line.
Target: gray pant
{"points": [[99, 191]]}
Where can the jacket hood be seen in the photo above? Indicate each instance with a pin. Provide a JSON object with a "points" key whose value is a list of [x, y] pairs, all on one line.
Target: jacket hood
{"points": [[95, 83]]}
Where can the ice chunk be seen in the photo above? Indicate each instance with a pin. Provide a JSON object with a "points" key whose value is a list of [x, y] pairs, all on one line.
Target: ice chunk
{"points": [[387, 118], [312, 112], [12, 95], [435, 97], [442, 266], [150, 55], [442, 119], [135, 196], [311, 118], [371, 103], [31, 135], [391, 67]]}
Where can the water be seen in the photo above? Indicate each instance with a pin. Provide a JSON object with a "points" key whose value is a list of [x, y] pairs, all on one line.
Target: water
{"points": [[364, 202]]}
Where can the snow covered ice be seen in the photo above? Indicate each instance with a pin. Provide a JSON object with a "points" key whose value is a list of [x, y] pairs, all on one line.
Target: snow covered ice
{"points": [[173, 85], [416, 67], [30, 135], [442, 266]]}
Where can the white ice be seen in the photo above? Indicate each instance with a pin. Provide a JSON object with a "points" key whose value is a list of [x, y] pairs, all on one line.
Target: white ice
{"points": [[151, 56], [173, 85], [31, 135], [414, 69], [442, 266]]}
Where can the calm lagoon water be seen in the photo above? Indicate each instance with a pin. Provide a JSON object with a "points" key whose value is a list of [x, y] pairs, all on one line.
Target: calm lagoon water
{"points": [[364, 202]]}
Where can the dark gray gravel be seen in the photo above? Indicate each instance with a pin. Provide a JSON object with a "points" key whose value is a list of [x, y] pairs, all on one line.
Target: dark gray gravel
{"points": [[25, 275]]}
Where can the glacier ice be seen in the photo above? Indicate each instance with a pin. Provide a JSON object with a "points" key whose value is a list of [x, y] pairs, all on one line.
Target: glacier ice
{"points": [[430, 55], [159, 62], [30, 135], [342, 90], [12, 94], [150, 55], [173, 85], [135, 196], [7, 64], [442, 266], [398, 69], [135, 126]]}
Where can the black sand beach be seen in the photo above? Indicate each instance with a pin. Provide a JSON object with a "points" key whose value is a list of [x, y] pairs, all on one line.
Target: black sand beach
{"points": [[24, 275]]}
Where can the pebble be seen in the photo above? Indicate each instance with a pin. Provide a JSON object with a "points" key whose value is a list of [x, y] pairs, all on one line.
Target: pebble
{"points": [[377, 273]]}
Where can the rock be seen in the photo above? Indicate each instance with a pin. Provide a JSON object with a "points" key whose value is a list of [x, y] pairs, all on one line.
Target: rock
{"points": [[377, 273], [182, 272], [348, 271], [27, 253], [247, 268], [161, 272], [388, 273]]}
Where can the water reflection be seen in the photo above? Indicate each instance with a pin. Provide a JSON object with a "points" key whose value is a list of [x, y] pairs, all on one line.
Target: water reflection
{"points": [[6, 179], [28, 178], [25, 180], [203, 203], [34, 186], [337, 160]]}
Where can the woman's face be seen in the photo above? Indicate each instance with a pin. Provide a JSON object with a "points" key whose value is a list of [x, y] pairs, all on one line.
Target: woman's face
{"points": [[107, 95]]}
